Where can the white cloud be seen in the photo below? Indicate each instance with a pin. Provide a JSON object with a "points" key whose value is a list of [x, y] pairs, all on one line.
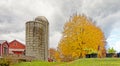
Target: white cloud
{"points": [[15, 13], [13, 36], [116, 46], [54, 40]]}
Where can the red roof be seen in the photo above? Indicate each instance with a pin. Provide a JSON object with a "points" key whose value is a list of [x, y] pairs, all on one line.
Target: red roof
{"points": [[16, 45]]}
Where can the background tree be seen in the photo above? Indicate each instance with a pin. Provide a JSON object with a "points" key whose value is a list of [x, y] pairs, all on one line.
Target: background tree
{"points": [[57, 56], [111, 50], [81, 37], [52, 53]]}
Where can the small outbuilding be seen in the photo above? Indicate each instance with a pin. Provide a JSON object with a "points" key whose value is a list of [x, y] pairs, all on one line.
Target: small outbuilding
{"points": [[4, 48]]}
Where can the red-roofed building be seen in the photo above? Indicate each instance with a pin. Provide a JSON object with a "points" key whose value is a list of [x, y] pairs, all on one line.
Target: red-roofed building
{"points": [[16, 47], [4, 48]]}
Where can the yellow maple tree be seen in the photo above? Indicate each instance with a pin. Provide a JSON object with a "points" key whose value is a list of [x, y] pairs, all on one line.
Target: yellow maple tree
{"points": [[81, 37]]}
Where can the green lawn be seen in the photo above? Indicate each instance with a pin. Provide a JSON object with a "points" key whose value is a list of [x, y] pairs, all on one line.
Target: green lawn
{"points": [[80, 62]]}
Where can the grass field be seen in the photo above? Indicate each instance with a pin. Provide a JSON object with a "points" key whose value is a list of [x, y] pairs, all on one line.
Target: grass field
{"points": [[80, 62]]}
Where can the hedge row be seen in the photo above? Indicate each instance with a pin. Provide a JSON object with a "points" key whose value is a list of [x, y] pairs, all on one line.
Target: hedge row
{"points": [[4, 62], [109, 55]]}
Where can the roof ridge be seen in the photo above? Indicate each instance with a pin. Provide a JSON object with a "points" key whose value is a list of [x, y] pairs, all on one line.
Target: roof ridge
{"points": [[17, 41]]}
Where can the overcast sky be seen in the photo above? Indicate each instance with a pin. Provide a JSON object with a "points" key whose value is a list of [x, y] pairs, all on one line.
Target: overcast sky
{"points": [[15, 13]]}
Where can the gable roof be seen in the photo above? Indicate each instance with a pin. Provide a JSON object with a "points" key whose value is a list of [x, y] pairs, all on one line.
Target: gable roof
{"points": [[2, 41], [16, 45], [16, 41]]}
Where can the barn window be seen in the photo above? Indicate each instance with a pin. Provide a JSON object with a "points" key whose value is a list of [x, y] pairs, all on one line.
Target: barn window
{"points": [[15, 44]]}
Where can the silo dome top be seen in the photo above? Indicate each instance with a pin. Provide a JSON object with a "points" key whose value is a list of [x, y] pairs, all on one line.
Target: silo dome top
{"points": [[41, 18]]}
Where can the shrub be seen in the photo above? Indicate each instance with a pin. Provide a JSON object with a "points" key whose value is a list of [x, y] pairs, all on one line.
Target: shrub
{"points": [[4, 62]]}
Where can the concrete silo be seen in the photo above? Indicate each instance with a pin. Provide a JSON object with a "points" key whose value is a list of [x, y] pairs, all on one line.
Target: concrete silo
{"points": [[37, 38]]}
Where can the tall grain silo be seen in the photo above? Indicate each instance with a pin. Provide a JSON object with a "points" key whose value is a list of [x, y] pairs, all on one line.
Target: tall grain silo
{"points": [[37, 38]]}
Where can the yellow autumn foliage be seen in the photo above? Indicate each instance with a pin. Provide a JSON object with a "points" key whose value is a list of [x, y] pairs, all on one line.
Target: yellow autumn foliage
{"points": [[81, 37]]}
